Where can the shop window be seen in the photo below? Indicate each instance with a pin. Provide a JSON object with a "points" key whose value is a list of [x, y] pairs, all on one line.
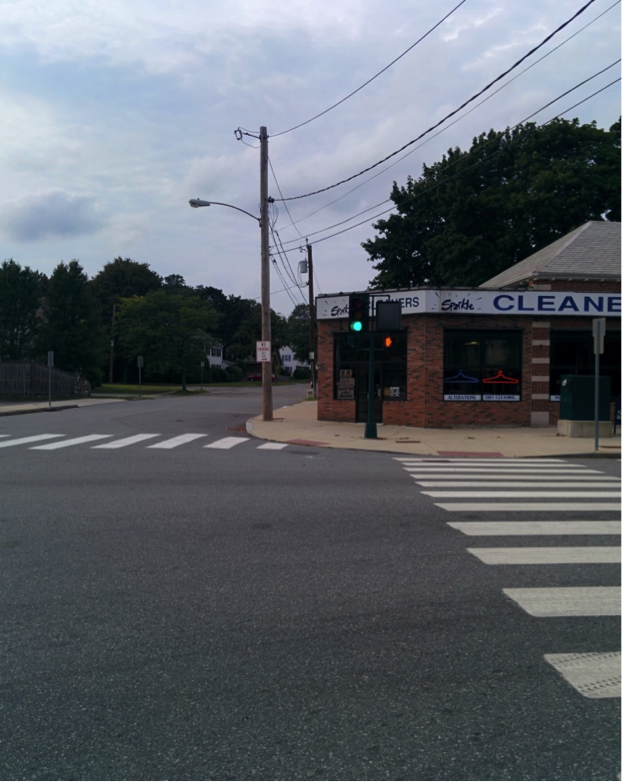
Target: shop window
{"points": [[482, 366], [572, 353], [351, 365]]}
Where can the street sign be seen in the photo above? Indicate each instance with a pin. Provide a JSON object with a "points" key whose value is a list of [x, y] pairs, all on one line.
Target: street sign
{"points": [[139, 362], [50, 358], [599, 326], [264, 352]]}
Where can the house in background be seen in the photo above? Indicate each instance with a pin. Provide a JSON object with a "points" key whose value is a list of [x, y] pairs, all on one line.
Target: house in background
{"points": [[215, 356], [288, 361]]}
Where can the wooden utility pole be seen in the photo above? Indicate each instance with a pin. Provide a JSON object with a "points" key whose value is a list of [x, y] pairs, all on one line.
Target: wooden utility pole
{"points": [[311, 318], [266, 331]]}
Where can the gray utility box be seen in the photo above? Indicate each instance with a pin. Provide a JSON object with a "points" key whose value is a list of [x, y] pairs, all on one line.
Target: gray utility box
{"points": [[576, 406], [577, 398]]}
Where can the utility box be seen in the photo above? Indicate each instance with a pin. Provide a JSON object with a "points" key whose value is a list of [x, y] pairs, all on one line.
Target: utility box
{"points": [[577, 398], [576, 406]]}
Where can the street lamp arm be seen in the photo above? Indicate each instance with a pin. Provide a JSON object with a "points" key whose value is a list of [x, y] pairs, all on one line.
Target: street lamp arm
{"points": [[197, 202]]}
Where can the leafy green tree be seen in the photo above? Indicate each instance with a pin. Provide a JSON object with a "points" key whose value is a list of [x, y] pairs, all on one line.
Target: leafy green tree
{"points": [[72, 327], [20, 296], [169, 329], [298, 332], [475, 213], [121, 279]]}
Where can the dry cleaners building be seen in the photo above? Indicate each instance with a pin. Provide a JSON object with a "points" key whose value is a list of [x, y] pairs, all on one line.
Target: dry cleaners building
{"points": [[487, 356]]}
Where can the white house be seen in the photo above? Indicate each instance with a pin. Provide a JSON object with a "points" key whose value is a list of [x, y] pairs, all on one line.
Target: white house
{"points": [[289, 362]]}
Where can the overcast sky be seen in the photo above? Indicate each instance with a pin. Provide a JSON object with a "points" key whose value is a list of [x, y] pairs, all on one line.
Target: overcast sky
{"points": [[114, 114]]}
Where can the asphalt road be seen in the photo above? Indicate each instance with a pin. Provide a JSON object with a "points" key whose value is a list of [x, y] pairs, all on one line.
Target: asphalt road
{"points": [[243, 613]]}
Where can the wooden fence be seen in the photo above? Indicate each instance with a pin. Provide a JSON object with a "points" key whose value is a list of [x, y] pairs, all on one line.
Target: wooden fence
{"points": [[27, 378]]}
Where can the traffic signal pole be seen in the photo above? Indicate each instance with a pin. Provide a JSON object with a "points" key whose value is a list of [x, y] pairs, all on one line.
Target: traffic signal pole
{"points": [[371, 430]]}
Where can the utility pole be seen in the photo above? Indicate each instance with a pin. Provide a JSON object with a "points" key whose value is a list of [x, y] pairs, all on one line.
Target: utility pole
{"points": [[266, 331], [110, 373], [311, 318]]}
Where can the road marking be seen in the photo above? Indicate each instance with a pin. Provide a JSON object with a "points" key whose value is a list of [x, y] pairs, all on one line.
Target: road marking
{"points": [[595, 674], [470, 507], [89, 438], [501, 493], [502, 471], [548, 555], [228, 442], [448, 460], [272, 446], [483, 528], [33, 439], [557, 484], [568, 601], [174, 442], [137, 438]]}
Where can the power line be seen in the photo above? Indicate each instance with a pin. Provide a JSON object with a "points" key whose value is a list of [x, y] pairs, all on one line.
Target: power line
{"points": [[442, 130], [369, 81], [438, 184], [451, 114], [386, 201]]}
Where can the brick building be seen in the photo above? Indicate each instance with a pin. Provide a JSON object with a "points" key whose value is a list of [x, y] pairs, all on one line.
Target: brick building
{"points": [[492, 355]]}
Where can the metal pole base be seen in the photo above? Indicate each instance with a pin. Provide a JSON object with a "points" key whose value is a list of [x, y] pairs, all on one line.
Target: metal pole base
{"points": [[371, 431]]}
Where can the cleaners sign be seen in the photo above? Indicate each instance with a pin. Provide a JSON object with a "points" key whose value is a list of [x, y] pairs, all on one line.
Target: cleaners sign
{"points": [[479, 302]]}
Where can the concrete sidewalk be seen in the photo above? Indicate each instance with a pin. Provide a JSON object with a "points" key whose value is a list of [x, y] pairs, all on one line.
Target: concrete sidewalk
{"points": [[298, 425], [21, 408]]}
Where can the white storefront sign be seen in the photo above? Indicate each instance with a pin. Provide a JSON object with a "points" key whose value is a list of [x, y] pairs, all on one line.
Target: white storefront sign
{"points": [[481, 302]]}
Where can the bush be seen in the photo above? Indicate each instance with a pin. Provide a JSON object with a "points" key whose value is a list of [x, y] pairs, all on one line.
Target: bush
{"points": [[234, 374], [302, 373], [218, 375]]}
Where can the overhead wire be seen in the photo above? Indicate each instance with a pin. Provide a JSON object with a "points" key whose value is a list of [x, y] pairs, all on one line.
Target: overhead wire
{"points": [[386, 201], [442, 130], [438, 184], [452, 113], [369, 81]]}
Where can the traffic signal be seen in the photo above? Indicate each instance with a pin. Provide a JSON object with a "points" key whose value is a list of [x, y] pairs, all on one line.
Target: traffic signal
{"points": [[358, 312], [388, 341]]}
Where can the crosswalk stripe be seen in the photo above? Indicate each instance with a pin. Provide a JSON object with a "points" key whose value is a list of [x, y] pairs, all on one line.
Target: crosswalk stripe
{"points": [[174, 442], [449, 460], [557, 484], [498, 475], [552, 471], [89, 438], [227, 442], [472, 507], [32, 439], [484, 528], [593, 674], [548, 555], [272, 446], [136, 438], [568, 601], [502, 493]]}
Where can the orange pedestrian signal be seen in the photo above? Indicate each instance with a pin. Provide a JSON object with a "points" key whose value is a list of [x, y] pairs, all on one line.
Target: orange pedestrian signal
{"points": [[388, 341]]}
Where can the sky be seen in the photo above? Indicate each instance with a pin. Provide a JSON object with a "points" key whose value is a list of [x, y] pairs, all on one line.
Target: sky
{"points": [[115, 114]]}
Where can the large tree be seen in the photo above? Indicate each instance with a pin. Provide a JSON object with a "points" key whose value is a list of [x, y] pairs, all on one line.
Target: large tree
{"points": [[72, 327], [20, 296], [169, 329], [298, 332], [121, 279], [475, 213]]}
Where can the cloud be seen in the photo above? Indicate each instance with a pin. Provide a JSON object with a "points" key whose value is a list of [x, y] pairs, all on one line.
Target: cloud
{"points": [[54, 214]]}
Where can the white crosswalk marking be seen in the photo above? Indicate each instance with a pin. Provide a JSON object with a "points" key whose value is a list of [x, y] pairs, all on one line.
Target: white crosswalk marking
{"points": [[502, 493], [498, 507], [514, 528], [576, 482], [89, 438], [504, 475], [228, 442], [137, 438], [25, 440], [175, 442], [272, 446], [568, 601], [595, 674], [547, 555]]}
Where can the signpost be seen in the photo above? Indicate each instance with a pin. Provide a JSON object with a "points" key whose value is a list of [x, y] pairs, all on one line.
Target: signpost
{"points": [[50, 365], [598, 332], [139, 361]]}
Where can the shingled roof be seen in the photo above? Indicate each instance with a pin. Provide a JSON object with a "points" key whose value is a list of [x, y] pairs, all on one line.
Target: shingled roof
{"points": [[591, 252]]}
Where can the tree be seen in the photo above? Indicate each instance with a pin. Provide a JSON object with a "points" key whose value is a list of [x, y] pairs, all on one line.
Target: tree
{"points": [[72, 327], [298, 332], [20, 296], [476, 213], [121, 279], [169, 329]]}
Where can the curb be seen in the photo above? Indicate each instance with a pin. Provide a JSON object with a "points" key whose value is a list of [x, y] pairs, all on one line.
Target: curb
{"points": [[37, 410]]}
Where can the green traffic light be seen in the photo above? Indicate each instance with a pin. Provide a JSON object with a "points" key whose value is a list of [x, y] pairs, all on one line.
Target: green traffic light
{"points": [[357, 326]]}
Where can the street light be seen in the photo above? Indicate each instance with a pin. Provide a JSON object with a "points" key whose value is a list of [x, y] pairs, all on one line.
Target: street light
{"points": [[266, 368]]}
